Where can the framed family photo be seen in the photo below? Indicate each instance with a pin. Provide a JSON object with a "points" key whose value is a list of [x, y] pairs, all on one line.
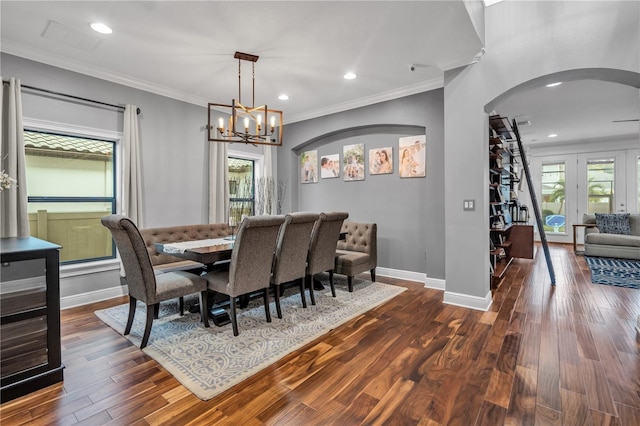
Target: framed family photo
{"points": [[381, 161], [353, 162], [330, 166], [412, 154], [309, 167]]}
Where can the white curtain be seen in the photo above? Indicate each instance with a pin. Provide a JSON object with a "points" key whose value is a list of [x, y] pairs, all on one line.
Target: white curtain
{"points": [[132, 173], [13, 202], [268, 204], [218, 183]]}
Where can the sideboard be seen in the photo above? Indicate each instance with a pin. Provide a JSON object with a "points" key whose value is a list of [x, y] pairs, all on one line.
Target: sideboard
{"points": [[30, 355]]}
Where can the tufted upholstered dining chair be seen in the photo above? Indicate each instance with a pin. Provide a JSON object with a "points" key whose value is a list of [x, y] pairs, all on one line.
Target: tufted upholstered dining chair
{"points": [[290, 260], [142, 282], [251, 262], [358, 252], [322, 249]]}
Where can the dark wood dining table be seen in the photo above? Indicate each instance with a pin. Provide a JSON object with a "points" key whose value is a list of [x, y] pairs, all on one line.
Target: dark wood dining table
{"points": [[208, 255], [213, 257]]}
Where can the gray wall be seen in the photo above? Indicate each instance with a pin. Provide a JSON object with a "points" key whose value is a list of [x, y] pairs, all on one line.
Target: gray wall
{"points": [[556, 37], [174, 152], [409, 212]]}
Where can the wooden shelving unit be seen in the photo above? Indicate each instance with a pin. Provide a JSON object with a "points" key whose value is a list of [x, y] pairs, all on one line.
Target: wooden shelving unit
{"points": [[511, 237]]}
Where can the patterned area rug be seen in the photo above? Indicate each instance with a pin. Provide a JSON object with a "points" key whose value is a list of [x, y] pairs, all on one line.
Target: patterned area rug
{"points": [[209, 361], [616, 272]]}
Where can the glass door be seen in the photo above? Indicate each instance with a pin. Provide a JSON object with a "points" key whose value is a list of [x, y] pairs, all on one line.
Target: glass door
{"points": [[602, 183]]}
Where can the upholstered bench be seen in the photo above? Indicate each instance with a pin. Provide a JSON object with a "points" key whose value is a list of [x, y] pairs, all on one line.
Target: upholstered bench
{"points": [[164, 262], [358, 252]]}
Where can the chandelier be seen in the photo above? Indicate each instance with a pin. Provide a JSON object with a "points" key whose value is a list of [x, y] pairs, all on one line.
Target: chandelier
{"points": [[245, 124]]}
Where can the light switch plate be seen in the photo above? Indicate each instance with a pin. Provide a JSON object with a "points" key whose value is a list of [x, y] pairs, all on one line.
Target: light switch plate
{"points": [[469, 205]]}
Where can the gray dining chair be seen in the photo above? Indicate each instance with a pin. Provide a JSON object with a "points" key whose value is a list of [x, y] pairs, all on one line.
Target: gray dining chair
{"points": [[290, 260], [251, 261], [143, 284], [322, 249]]}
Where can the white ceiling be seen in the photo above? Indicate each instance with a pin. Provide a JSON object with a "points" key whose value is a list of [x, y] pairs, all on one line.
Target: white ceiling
{"points": [[576, 111], [184, 50]]}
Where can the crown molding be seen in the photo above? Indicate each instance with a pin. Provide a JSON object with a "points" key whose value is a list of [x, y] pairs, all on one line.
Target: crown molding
{"points": [[46, 58], [401, 92]]}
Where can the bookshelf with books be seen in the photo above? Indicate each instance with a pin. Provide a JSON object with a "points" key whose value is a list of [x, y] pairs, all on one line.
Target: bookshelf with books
{"points": [[510, 235]]}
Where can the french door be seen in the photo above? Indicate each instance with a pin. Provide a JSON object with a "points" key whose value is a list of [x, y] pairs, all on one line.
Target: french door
{"points": [[570, 185]]}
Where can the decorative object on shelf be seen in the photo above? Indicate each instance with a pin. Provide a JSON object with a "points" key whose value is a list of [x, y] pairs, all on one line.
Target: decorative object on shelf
{"points": [[246, 124], [412, 156], [309, 167], [6, 181], [353, 162]]}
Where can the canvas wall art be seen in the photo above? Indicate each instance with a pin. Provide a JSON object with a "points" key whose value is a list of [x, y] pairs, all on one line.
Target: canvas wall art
{"points": [[381, 161], [412, 154], [330, 166], [353, 162], [309, 167]]}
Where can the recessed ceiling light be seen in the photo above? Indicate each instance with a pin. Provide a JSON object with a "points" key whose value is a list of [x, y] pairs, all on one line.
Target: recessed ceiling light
{"points": [[554, 84], [553, 135], [101, 28], [283, 97], [349, 76]]}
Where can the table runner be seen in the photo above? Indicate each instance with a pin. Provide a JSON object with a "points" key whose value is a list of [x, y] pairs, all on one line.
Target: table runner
{"points": [[186, 245]]}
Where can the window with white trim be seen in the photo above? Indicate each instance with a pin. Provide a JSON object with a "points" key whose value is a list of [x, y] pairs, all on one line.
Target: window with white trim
{"points": [[71, 185]]}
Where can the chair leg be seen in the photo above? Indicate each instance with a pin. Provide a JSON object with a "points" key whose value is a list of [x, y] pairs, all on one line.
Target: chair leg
{"points": [[373, 275], [333, 288], [151, 311], [276, 294], [310, 285], [204, 308], [234, 319], [350, 283], [156, 310], [302, 297], [181, 304], [265, 296], [132, 312]]}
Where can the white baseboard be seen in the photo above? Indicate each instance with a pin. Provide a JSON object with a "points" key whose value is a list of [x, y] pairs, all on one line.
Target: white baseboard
{"points": [[467, 301], [401, 275], [93, 296], [434, 283]]}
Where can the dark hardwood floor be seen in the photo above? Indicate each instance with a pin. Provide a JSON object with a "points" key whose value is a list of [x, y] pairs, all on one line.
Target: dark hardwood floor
{"points": [[541, 355]]}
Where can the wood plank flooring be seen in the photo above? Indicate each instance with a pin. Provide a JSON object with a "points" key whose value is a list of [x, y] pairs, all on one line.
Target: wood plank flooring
{"points": [[541, 355]]}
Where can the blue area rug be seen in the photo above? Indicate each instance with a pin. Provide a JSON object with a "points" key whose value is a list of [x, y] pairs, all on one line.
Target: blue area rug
{"points": [[617, 272]]}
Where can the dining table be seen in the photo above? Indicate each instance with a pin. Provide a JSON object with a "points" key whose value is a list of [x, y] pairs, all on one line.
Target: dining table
{"points": [[214, 254]]}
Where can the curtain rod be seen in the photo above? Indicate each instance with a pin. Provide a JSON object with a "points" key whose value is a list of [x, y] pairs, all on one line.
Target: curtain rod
{"points": [[51, 92]]}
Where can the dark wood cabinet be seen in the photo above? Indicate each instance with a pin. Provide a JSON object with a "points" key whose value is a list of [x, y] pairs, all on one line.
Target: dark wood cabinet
{"points": [[30, 356]]}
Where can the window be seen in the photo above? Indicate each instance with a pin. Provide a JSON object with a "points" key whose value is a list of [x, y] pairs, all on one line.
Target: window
{"points": [[241, 188], [553, 197], [600, 185], [71, 185]]}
